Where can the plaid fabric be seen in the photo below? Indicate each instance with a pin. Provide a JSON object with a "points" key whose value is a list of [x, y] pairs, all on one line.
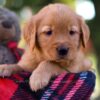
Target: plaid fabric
{"points": [[67, 86]]}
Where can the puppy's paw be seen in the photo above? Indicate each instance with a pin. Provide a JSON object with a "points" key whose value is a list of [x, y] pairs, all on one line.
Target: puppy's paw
{"points": [[38, 81], [5, 71]]}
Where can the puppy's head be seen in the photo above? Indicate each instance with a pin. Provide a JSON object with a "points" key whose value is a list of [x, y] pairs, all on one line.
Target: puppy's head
{"points": [[57, 32]]}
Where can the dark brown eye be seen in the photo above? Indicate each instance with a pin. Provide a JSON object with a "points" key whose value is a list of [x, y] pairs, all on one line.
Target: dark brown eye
{"points": [[72, 32], [49, 33]]}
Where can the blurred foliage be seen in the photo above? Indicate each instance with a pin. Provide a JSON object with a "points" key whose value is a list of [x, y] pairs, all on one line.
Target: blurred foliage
{"points": [[95, 31], [18, 4], [35, 4]]}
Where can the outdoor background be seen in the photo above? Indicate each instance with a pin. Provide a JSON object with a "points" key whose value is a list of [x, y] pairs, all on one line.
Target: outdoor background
{"points": [[89, 9]]}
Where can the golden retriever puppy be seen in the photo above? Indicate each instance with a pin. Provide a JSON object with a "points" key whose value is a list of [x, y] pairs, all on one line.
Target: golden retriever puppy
{"points": [[54, 38]]}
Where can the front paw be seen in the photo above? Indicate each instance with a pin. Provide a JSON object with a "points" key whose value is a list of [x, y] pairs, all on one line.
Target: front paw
{"points": [[5, 71], [38, 81]]}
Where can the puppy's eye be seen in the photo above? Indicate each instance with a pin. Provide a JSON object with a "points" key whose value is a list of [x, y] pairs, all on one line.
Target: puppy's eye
{"points": [[49, 33], [72, 32]]}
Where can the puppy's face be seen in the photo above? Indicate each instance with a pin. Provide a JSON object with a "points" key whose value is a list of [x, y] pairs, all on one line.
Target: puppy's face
{"points": [[58, 33], [58, 37]]}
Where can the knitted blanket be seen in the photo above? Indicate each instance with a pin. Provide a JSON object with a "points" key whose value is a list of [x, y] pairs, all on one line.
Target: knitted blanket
{"points": [[67, 86]]}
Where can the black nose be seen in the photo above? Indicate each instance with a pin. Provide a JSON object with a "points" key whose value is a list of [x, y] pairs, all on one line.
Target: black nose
{"points": [[62, 51], [7, 24]]}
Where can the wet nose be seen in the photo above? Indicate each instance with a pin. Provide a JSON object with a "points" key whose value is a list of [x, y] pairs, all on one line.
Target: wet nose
{"points": [[62, 51], [7, 24]]}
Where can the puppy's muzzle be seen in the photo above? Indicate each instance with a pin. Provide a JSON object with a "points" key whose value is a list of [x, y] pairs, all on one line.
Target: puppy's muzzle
{"points": [[62, 51]]}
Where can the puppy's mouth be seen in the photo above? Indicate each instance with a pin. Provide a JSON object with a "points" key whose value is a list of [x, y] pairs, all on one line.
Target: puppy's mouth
{"points": [[58, 58], [61, 59]]}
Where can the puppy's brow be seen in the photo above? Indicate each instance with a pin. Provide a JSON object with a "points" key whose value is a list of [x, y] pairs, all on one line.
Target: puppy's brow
{"points": [[74, 28], [46, 28]]}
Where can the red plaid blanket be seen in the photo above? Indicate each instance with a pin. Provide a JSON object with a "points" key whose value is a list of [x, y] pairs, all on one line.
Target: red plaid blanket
{"points": [[67, 86]]}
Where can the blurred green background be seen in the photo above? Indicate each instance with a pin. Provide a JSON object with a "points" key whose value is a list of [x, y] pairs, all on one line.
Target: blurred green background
{"points": [[89, 9]]}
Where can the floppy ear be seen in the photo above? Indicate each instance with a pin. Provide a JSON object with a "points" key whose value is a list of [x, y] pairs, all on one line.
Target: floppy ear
{"points": [[85, 33], [30, 33]]}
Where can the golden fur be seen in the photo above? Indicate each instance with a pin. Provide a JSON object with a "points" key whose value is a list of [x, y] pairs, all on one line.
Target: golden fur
{"points": [[54, 26]]}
